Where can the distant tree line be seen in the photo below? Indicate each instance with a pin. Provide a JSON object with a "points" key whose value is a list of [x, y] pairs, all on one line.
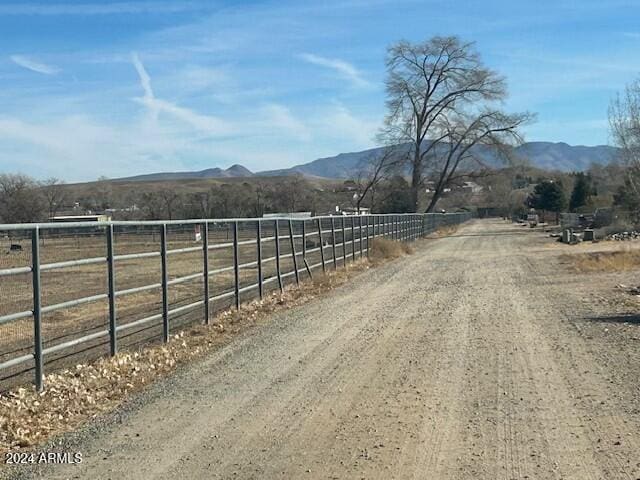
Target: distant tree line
{"points": [[228, 200], [24, 200]]}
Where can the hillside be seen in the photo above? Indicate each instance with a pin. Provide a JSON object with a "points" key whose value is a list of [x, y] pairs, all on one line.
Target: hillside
{"points": [[567, 158], [232, 172], [543, 155]]}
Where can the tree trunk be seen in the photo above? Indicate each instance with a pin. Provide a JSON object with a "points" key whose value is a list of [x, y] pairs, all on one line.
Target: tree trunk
{"points": [[415, 177], [433, 202]]}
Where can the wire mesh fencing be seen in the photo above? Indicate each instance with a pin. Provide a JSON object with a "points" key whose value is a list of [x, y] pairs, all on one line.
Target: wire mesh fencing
{"points": [[82, 290]]}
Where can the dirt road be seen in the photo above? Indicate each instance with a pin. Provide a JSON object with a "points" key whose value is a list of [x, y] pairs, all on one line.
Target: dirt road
{"points": [[467, 360]]}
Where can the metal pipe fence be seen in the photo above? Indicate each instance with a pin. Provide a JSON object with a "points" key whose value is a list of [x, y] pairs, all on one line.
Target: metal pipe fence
{"points": [[82, 289]]}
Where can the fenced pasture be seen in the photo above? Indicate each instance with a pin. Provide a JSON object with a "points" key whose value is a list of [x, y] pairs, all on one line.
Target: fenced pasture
{"points": [[79, 291]]}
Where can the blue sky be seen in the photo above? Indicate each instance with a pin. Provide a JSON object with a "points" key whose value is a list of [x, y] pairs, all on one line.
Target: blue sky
{"points": [[122, 88]]}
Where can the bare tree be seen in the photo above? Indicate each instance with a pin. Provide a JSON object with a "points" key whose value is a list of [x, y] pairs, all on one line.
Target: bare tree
{"points": [[151, 206], [290, 194], [372, 171], [20, 199], [428, 84], [103, 193], [258, 205], [54, 193], [171, 201], [624, 120]]}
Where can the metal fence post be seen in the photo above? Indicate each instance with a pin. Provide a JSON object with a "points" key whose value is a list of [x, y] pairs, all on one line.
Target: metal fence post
{"points": [[324, 266], [360, 234], [304, 239], [333, 243], [344, 243], [353, 238], [395, 227], [259, 259], [293, 252], [368, 236], [278, 270], [165, 283], [236, 265], [37, 308], [111, 285], [205, 270]]}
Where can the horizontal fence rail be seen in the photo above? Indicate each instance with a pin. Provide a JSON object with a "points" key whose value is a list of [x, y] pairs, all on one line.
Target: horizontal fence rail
{"points": [[69, 289]]}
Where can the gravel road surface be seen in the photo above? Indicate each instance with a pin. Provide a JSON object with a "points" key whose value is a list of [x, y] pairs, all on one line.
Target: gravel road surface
{"points": [[466, 360]]}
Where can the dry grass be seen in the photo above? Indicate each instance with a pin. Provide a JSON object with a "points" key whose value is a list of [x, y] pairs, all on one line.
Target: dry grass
{"points": [[75, 395], [446, 230], [384, 249], [615, 261]]}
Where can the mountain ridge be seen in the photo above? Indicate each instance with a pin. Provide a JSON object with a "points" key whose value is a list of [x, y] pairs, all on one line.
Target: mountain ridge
{"points": [[545, 155]]}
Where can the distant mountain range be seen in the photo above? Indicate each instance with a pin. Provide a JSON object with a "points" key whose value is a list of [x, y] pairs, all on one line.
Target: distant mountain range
{"points": [[544, 155], [232, 171]]}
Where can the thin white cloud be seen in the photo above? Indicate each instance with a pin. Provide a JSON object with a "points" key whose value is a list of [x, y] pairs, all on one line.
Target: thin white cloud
{"points": [[94, 8], [145, 79], [633, 35], [279, 118], [338, 122], [196, 78], [344, 69], [205, 123], [34, 65]]}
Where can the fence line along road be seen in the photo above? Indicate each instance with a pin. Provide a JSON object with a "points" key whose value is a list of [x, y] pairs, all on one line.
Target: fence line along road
{"points": [[69, 289]]}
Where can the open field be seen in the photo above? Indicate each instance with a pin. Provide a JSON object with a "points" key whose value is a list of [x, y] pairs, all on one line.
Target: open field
{"points": [[481, 356]]}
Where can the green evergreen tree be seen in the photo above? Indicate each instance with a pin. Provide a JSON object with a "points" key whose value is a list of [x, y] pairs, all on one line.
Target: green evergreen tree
{"points": [[581, 193], [549, 197]]}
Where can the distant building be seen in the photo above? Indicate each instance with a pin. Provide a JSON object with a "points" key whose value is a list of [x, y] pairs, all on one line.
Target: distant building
{"points": [[287, 215], [80, 218], [354, 211], [472, 187]]}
